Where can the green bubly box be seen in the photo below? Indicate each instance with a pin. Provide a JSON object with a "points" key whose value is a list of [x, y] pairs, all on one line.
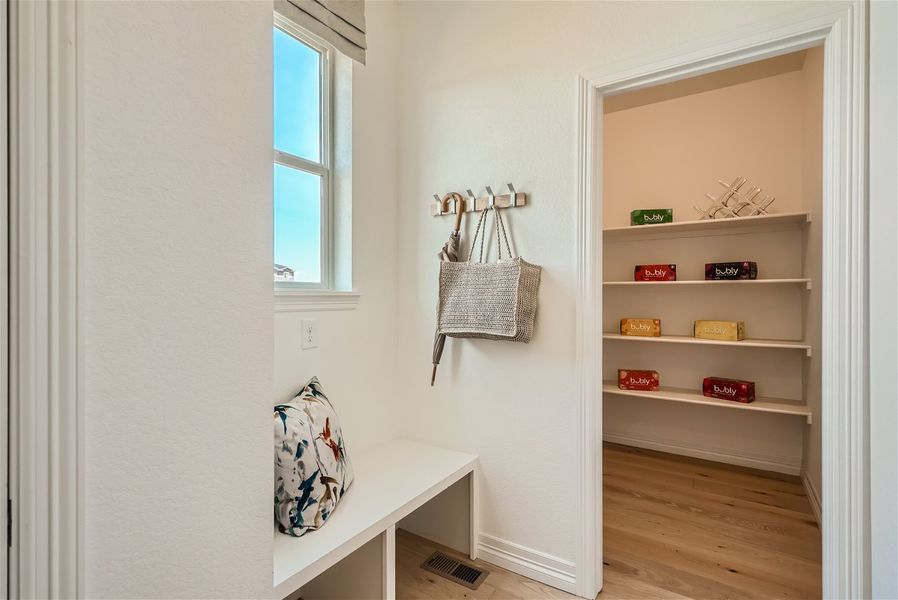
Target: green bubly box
{"points": [[651, 216]]}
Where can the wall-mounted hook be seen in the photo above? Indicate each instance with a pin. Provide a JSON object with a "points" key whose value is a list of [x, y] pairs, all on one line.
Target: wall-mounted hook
{"points": [[468, 202], [472, 200]]}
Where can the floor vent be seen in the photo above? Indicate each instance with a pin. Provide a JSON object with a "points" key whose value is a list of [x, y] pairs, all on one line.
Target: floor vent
{"points": [[462, 573]]}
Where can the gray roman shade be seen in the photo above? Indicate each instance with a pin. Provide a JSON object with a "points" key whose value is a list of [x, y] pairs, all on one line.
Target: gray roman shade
{"points": [[340, 22]]}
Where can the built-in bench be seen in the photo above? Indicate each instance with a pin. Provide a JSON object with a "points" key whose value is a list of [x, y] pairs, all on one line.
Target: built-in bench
{"points": [[390, 482]]}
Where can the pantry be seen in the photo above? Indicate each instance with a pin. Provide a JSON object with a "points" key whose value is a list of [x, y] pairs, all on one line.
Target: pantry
{"points": [[686, 146], [667, 147]]}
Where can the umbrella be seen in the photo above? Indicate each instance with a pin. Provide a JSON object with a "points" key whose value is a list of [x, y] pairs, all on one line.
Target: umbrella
{"points": [[448, 253]]}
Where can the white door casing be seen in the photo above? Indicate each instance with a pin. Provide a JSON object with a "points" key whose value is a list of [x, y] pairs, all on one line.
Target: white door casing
{"points": [[45, 417], [4, 284]]}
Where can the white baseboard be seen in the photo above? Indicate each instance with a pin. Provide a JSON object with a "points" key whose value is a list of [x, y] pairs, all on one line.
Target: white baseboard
{"points": [[766, 463], [536, 565], [813, 497]]}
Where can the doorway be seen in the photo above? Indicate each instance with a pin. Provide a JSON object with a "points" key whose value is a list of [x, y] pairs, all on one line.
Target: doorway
{"points": [[750, 136], [843, 285]]}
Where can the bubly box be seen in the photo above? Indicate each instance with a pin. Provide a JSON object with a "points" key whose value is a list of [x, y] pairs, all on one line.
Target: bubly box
{"points": [[651, 216], [641, 327], [731, 270], [729, 389], [628, 379], [655, 273], [720, 330]]}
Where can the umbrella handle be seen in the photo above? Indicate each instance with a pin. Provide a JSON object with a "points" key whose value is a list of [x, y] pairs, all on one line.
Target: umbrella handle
{"points": [[458, 202], [459, 213]]}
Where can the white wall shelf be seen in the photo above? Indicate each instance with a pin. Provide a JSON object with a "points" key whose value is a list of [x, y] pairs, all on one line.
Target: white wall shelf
{"points": [[708, 226], [712, 282], [685, 339], [768, 405]]}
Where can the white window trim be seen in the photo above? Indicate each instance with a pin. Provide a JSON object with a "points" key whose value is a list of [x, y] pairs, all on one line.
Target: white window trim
{"points": [[325, 168], [314, 301]]}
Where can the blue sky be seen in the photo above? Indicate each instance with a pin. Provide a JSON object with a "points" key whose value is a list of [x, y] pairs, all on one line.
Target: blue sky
{"points": [[297, 218]]}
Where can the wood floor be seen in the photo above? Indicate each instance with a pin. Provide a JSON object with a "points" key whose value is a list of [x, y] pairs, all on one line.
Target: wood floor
{"points": [[678, 527], [414, 583], [675, 527]]}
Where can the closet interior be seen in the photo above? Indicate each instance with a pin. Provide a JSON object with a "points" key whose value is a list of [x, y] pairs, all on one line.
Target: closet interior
{"points": [[666, 147]]}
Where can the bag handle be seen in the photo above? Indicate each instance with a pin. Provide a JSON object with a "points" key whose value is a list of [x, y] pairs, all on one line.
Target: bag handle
{"points": [[500, 227], [501, 222]]}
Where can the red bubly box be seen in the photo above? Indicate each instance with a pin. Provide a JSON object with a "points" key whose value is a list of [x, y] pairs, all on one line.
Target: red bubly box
{"points": [[628, 379], [656, 272], [729, 389]]}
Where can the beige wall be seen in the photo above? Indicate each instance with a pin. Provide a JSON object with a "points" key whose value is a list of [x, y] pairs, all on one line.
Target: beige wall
{"points": [[812, 201], [670, 153], [488, 94]]}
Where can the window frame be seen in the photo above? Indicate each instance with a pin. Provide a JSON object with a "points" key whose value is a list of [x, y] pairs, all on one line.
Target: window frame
{"points": [[324, 169]]}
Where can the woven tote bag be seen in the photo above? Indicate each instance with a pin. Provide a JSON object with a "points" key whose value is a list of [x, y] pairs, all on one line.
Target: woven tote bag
{"points": [[495, 301]]}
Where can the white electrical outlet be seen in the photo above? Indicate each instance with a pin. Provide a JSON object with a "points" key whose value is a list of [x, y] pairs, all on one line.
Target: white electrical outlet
{"points": [[309, 334]]}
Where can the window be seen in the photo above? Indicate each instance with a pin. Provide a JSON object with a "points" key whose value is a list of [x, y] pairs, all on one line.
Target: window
{"points": [[303, 141]]}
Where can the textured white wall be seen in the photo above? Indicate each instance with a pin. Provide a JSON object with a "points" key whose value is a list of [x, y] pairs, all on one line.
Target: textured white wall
{"points": [[176, 298], [883, 297], [356, 354], [495, 101]]}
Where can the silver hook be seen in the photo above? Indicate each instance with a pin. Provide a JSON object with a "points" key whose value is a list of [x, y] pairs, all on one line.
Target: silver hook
{"points": [[492, 197], [472, 199], [439, 202], [513, 201]]}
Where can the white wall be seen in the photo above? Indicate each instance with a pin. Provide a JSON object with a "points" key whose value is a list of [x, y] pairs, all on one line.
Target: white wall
{"points": [[175, 296], [883, 297], [176, 251], [177, 299], [356, 355], [493, 102]]}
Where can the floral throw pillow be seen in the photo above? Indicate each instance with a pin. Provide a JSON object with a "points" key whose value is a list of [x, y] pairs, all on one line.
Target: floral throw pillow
{"points": [[311, 469]]}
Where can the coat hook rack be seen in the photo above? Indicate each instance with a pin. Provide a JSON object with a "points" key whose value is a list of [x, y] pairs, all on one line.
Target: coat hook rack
{"points": [[453, 201]]}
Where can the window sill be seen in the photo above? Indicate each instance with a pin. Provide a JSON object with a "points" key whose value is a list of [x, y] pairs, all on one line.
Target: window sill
{"points": [[314, 300]]}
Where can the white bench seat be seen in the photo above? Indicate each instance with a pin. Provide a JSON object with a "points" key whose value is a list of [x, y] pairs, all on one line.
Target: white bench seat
{"points": [[390, 482]]}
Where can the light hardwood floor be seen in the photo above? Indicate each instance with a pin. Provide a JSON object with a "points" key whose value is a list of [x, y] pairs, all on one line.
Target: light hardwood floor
{"points": [[675, 527], [678, 527], [414, 583]]}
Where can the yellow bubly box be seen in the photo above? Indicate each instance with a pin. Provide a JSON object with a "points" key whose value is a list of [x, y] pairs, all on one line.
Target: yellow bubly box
{"points": [[720, 330], [641, 327]]}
